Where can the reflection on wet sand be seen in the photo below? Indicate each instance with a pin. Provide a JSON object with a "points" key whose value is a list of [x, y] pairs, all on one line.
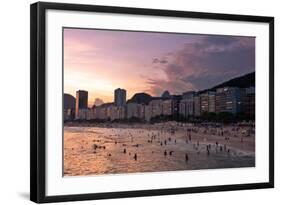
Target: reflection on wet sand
{"points": [[95, 149]]}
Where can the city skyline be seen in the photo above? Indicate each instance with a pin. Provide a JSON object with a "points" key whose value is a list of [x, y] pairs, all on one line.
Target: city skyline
{"points": [[231, 100], [115, 92], [100, 61]]}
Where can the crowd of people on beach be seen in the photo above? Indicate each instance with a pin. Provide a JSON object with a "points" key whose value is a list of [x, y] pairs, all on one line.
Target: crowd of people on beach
{"points": [[169, 146], [190, 137]]}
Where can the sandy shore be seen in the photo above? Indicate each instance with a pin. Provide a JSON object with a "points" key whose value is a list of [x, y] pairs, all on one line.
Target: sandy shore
{"points": [[234, 136], [110, 148]]}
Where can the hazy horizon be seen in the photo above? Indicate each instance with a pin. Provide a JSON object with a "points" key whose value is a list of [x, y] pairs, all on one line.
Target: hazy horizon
{"points": [[100, 61]]}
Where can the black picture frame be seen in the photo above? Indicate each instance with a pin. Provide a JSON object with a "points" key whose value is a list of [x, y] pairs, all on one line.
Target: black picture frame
{"points": [[38, 100]]}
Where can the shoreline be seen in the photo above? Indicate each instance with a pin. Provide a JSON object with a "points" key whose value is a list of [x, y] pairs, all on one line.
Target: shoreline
{"points": [[202, 134], [112, 148]]}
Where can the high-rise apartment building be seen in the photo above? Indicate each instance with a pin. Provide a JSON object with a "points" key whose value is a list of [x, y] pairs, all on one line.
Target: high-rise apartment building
{"points": [[248, 101], [186, 107], [120, 97], [81, 101], [197, 105], [228, 99]]}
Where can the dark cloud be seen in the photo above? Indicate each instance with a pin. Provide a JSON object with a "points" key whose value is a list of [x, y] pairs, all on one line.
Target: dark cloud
{"points": [[163, 61], [221, 40], [157, 60], [205, 63]]}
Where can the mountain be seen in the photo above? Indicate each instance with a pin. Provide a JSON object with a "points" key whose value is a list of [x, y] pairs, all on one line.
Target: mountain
{"points": [[244, 81], [165, 94], [140, 98]]}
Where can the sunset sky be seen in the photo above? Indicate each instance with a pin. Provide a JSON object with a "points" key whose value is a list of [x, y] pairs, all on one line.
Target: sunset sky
{"points": [[100, 61]]}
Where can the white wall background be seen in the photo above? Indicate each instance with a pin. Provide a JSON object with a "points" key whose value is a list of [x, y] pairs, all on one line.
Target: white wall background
{"points": [[14, 101]]}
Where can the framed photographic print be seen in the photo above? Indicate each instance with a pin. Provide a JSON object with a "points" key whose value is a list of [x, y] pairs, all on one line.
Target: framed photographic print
{"points": [[129, 102]]}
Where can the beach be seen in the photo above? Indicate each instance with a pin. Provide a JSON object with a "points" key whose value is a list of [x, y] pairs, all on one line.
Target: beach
{"points": [[116, 148]]}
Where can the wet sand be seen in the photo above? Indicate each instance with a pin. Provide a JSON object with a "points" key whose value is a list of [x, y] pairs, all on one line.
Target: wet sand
{"points": [[92, 149]]}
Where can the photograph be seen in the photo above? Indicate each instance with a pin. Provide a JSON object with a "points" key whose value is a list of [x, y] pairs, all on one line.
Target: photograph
{"points": [[133, 102], [143, 101]]}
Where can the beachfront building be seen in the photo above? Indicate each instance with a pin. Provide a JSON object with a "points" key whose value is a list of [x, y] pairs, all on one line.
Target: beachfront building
{"points": [[132, 110], [207, 102], [83, 114], [186, 105], [155, 107], [103, 112], [147, 112], [135, 110], [167, 107], [248, 101], [212, 101], [204, 102], [182, 108], [119, 113], [120, 97], [228, 100], [68, 114], [197, 105], [81, 102], [176, 105], [108, 111], [68, 107], [89, 114]]}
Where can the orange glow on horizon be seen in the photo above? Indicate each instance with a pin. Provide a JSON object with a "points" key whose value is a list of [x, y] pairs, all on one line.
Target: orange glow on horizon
{"points": [[100, 61]]}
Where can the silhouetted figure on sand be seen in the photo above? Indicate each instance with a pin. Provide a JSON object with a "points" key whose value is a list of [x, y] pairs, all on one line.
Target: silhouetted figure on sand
{"points": [[165, 153]]}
